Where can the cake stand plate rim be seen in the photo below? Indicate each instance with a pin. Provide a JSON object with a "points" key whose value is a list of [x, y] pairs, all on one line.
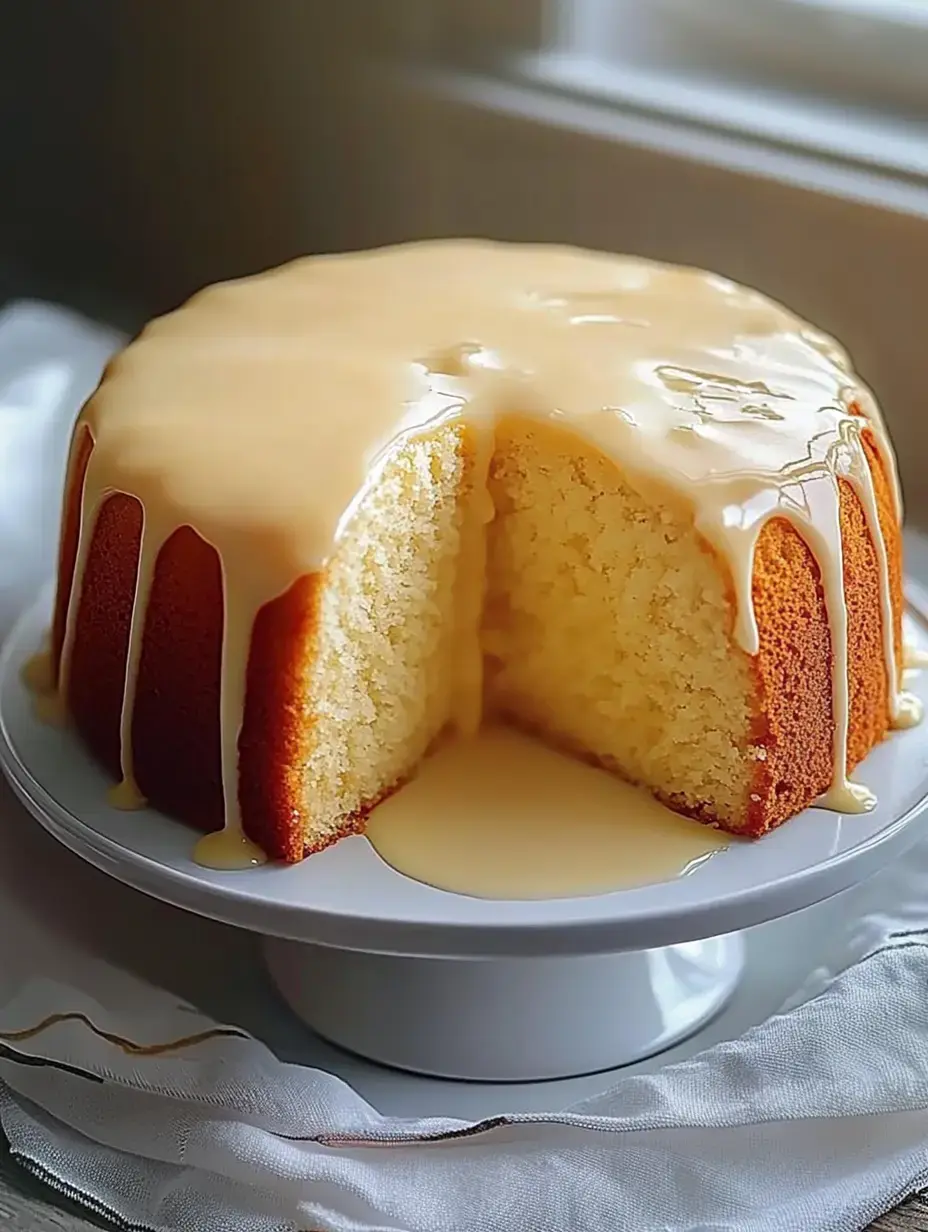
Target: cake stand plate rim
{"points": [[405, 918]]}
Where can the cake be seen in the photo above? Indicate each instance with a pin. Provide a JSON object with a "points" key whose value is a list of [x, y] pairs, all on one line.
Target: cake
{"points": [[319, 520]]}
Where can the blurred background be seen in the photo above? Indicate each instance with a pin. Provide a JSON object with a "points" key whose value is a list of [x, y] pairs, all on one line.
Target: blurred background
{"points": [[148, 148]]}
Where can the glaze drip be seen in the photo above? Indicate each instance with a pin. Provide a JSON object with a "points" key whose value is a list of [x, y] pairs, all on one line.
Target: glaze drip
{"points": [[258, 413], [126, 794]]}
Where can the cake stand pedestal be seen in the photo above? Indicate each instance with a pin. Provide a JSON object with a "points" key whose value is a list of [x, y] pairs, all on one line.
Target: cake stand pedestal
{"points": [[451, 986], [507, 1020]]}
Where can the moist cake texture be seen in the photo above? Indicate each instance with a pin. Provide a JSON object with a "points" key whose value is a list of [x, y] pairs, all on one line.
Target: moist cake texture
{"points": [[318, 520]]}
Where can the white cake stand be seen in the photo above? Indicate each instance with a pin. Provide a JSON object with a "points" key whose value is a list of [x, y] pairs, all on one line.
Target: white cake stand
{"points": [[459, 987]]}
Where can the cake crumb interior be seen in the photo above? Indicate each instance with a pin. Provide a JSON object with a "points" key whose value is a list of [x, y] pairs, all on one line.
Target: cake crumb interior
{"points": [[381, 681], [607, 626]]}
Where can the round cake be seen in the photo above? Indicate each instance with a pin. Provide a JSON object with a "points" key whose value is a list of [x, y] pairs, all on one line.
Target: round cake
{"points": [[319, 520]]}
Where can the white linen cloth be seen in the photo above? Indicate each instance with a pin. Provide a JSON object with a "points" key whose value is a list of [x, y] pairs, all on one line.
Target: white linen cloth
{"points": [[818, 1119]]}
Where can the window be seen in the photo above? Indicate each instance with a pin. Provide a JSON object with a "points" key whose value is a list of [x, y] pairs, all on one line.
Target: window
{"points": [[844, 78], [851, 49]]}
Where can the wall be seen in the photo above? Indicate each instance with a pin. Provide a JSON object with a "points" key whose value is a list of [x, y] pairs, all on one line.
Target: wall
{"points": [[153, 147]]}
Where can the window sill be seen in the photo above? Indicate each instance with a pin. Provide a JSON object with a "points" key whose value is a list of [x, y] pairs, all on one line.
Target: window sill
{"points": [[873, 157]]}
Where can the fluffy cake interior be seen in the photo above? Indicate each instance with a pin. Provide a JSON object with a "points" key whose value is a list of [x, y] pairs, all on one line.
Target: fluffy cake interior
{"points": [[380, 683], [608, 624], [606, 627]]}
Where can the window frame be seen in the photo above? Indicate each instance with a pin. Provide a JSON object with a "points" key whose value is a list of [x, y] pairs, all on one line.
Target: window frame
{"points": [[869, 53], [698, 80], [739, 104]]}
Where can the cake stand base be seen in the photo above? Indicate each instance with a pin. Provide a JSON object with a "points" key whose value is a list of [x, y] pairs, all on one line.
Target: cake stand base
{"points": [[507, 1020]]}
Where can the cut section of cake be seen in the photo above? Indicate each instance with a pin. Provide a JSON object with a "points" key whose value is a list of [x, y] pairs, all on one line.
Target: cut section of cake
{"points": [[320, 520]]}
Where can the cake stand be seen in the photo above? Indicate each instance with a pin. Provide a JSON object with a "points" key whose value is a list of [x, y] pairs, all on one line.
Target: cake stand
{"points": [[452, 986]]}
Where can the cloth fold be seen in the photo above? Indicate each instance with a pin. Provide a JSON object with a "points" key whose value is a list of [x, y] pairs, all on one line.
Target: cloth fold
{"points": [[818, 1118], [145, 1111]]}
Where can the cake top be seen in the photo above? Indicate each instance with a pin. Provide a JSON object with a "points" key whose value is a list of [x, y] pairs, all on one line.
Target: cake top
{"points": [[258, 410]]}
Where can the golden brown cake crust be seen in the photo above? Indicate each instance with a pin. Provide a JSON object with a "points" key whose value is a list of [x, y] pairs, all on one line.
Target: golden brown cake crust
{"points": [[795, 714], [175, 730]]}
